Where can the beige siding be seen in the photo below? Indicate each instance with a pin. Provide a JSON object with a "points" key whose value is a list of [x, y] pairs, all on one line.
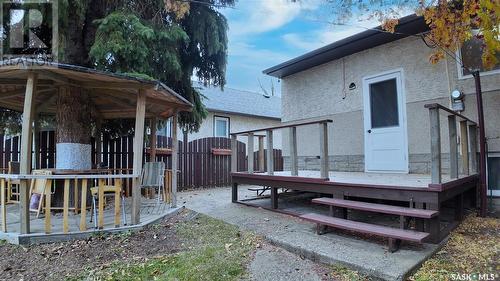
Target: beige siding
{"points": [[319, 92]]}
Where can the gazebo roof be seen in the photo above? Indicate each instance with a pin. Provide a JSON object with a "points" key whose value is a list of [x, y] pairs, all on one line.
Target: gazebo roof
{"points": [[113, 95]]}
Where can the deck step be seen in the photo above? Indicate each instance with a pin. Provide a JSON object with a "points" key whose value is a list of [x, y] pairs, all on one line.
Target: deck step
{"points": [[378, 208], [361, 227]]}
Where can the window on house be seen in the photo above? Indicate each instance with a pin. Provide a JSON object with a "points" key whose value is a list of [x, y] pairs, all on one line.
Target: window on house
{"points": [[471, 52], [221, 126]]}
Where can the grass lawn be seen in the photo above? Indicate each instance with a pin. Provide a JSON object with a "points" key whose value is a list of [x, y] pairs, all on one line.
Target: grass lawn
{"points": [[212, 250]]}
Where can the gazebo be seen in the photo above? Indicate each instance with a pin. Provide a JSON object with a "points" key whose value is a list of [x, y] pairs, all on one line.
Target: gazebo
{"points": [[33, 88]]}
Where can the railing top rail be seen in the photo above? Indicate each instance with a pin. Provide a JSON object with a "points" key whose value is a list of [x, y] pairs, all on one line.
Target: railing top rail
{"points": [[64, 177], [444, 108], [285, 125]]}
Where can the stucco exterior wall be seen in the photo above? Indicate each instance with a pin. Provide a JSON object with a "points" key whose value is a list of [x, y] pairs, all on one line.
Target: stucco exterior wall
{"points": [[322, 91], [238, 123]]}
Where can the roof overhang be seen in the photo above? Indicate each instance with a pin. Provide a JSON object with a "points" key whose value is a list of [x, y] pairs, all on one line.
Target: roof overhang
{"points": [[218, 111], [408, 26], [113, 96]]}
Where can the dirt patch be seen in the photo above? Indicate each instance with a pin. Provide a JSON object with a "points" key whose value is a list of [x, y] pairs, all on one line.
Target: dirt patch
{"points": [[215, 251], [57, 261]]}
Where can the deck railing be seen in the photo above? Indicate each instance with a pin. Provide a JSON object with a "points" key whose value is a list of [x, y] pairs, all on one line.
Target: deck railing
{"points": [[79, 184], [468, 143], [292, 127]]}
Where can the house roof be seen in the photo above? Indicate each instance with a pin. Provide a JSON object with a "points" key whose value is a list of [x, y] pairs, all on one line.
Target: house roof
{"points": [[409, 25], [233, 101]]}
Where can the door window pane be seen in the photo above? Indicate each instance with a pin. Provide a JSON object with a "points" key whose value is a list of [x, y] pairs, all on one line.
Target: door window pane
{"points": [[384, 104]]}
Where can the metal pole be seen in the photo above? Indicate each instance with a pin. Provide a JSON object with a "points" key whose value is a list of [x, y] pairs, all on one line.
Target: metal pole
{"points": [[482, 143]]}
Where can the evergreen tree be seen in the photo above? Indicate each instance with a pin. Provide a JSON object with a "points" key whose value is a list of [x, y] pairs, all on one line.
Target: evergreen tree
{"points": [[167, 40]]}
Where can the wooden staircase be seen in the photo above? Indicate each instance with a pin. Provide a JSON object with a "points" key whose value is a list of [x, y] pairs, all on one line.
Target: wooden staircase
{"points": [[395, 235]]}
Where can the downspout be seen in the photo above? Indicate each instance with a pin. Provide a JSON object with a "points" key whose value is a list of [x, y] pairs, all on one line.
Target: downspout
{"points": [[482, 143]]}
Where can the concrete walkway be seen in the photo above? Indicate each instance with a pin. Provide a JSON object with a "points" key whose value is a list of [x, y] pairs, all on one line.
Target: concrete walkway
{"points": [[299, 237], [273, 263]]}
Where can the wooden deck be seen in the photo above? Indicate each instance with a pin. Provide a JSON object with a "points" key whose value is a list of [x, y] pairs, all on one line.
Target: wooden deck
{"points": [[429, 192], [410, 190], [399, 187], [388, 179]]}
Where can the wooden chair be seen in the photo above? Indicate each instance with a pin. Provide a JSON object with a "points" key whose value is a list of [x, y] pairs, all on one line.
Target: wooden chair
{"points": [[13, 185], [39, 189]]}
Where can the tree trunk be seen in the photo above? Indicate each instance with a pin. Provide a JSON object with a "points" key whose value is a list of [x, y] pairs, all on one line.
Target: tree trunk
{"points": [[73, 129], [73, 116]]}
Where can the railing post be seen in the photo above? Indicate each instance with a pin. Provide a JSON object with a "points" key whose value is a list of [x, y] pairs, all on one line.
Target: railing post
{"points": [[452, 132], [294, 165], [250, 147], [435, 145], [270, 155], [323, 150], [261, 156], [3, 206], [234, 154], [175, 159], [270, 168], [473, 147], [234, 167], [464, 146]]}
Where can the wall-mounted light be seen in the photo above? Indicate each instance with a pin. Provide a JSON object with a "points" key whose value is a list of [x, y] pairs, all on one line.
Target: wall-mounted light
{"points": [[352, 86], [457, 100]]}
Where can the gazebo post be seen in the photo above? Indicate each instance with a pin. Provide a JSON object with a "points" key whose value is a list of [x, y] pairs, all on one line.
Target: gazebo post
{"points": [[26, 141], [98, 141], [138, 154], [175, 159], [152, 144], [36, 140]]}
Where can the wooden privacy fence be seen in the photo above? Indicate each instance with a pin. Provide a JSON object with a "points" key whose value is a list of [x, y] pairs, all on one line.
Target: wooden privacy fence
{"points": [[203, 162]]}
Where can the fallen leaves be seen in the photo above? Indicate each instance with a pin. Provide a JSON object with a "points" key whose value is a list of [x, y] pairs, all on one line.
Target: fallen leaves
{"points": [[474, 247]]}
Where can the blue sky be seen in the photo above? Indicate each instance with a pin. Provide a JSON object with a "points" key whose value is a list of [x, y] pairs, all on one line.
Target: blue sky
{"points": [[263, 33]]}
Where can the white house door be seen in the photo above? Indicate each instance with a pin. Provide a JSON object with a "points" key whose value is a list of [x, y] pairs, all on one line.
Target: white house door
{"points": [[386, 145]]}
